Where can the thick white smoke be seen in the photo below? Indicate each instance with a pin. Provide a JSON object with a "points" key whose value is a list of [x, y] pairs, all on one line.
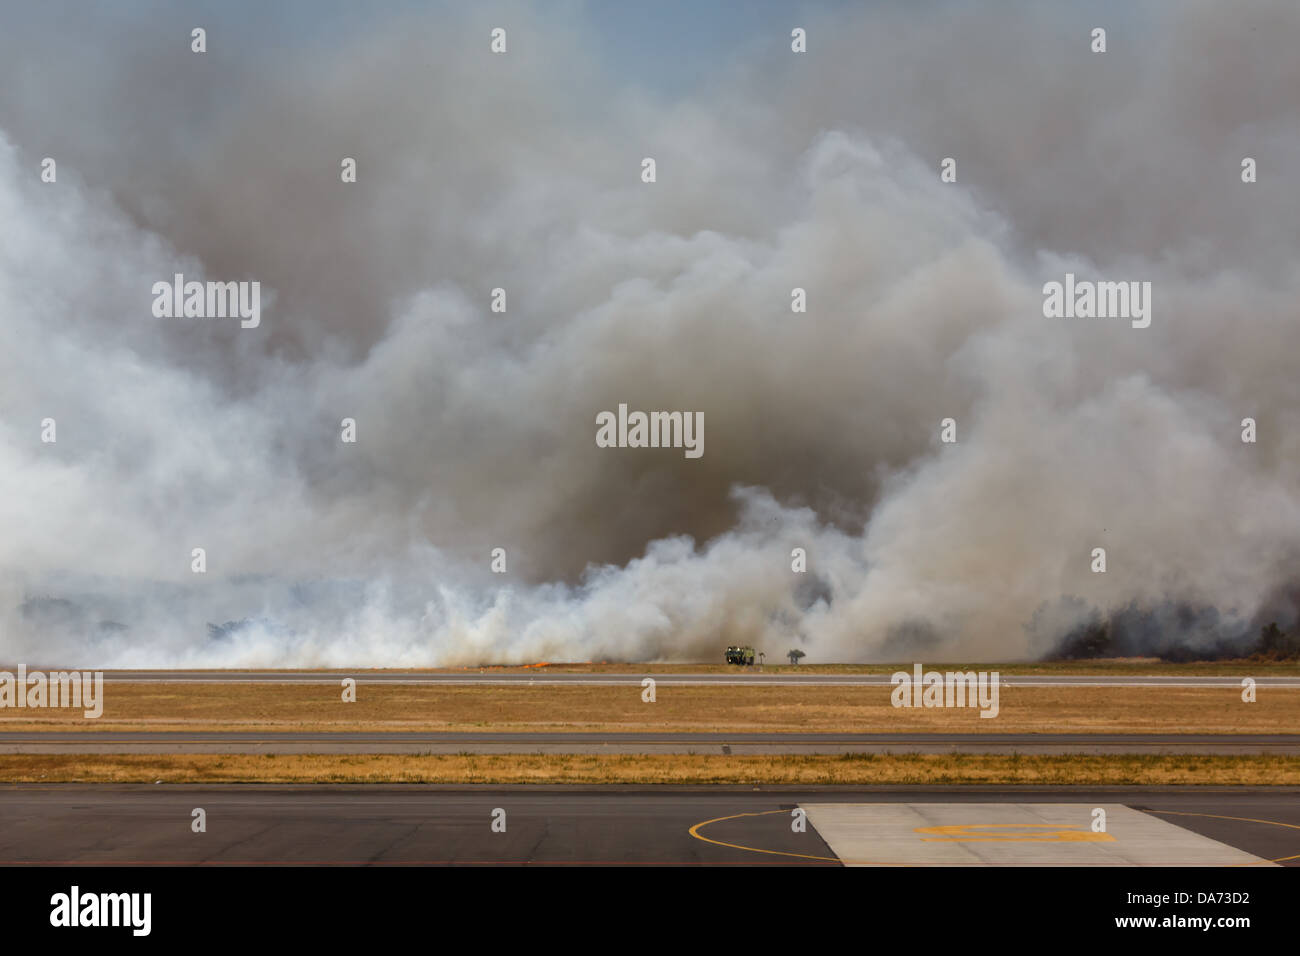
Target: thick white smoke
{"points": [[476, 430]]}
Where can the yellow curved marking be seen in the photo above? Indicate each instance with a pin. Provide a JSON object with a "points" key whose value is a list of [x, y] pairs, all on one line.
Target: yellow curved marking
{"points": [[1219, 816], [693, 831]]}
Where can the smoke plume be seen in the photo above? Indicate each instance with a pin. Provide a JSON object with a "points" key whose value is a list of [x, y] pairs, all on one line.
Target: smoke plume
{"points": [[475, 429]]}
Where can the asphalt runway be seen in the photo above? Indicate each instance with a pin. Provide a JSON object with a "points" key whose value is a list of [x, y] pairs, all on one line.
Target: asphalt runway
{"points": [[150, 742], [738, 678], [409, 825]]}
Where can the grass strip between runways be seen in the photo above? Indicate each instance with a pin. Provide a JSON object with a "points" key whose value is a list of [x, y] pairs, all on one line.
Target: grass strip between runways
{"points": [[864, 769]]}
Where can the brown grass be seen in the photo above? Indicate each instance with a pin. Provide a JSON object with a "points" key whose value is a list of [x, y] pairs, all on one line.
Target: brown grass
{"points": [[731, 709], [865, 769]]}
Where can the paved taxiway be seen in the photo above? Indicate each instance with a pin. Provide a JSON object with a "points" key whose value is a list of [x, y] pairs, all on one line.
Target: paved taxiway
{"points": [[395, 825]]}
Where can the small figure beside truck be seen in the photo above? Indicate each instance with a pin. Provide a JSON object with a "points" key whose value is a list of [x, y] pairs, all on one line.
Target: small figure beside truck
{"points": [[740, 655]]}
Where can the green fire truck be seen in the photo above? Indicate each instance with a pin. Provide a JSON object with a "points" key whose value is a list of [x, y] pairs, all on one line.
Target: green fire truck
{"points": [[740, 655]]}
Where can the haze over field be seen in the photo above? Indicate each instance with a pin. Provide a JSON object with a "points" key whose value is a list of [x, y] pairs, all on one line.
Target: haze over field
{"points": [[475, 430]]}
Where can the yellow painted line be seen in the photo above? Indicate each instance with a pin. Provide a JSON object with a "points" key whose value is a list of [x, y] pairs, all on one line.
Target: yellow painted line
{"points": [[1218, 816], [1087, 835], [962, 833], [694, 831]]}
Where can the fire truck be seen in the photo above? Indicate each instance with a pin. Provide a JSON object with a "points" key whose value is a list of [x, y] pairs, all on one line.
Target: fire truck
{"points": [[740, 655]]}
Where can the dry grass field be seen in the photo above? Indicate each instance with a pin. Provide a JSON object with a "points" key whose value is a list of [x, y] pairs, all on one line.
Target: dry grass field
{"points": [[860, 769], [731, 709]]}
